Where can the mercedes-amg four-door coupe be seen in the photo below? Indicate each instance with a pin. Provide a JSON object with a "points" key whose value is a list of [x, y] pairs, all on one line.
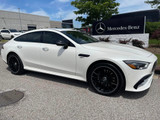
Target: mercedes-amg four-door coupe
{"points": [[107, 67]]}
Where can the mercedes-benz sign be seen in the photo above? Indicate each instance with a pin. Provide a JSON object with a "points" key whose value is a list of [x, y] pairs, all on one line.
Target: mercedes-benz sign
{"points": [[100, 28]]}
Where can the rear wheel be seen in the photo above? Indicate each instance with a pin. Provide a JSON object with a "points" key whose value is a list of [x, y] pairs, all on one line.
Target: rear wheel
{"points": [[105, 78], [15, 64]]}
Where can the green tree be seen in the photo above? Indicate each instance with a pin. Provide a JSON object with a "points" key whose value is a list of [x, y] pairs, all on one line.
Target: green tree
{"points": [[154, 3], [152, 27], [94, 10]]}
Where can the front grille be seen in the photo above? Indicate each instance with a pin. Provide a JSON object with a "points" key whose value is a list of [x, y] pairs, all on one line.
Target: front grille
{"points": [[154, 66]]}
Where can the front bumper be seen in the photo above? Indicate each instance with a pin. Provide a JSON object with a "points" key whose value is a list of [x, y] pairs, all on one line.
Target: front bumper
{"points": [[145, 84], [140, 80]]}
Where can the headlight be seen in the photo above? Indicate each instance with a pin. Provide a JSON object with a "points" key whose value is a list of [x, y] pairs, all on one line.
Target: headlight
{"points": [[137, 64]]}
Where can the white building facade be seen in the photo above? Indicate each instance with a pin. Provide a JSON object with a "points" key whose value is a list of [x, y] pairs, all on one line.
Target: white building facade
{"points": [[22, 21]]}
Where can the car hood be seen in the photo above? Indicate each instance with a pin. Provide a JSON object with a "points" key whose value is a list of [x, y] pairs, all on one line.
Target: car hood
{"points": [[120, 48], [16, 33]]}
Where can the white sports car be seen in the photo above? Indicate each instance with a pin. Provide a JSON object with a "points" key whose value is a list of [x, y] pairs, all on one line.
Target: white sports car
{"points": [[65, 52]]}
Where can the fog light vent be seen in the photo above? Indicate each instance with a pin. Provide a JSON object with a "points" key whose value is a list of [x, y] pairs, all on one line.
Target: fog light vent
{"points": [[141, 81]]}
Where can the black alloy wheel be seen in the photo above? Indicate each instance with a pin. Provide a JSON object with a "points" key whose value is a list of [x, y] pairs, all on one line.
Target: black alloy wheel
{"points": [[105, 78], [15, 64]]}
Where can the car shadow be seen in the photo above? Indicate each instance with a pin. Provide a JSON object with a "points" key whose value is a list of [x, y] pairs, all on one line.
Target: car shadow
{"points": [[82, 84], [132, 95], [58, 79], [127, 95]]}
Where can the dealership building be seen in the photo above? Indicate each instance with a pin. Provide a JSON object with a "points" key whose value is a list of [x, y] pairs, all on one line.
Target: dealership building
{"points": [[24, 21], [151, 15]]}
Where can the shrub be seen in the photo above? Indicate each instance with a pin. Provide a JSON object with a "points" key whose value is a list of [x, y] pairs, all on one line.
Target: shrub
{"points": [[152, 26], [156, 34], [105, 39], [125, 41], [137, 43]]}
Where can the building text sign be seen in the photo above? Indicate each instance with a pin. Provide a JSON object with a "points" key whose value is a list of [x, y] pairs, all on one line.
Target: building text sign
{"points": [[119, 26]]}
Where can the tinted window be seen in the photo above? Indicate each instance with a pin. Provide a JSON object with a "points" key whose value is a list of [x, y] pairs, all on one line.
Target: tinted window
{"points": [[79, 37], [5, 31], [22, 38], [13, 30], [30, 37], [53, 38]]}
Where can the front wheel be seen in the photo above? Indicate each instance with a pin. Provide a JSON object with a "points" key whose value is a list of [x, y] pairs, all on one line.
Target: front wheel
{"points": [[15, 64], [105, 78]]}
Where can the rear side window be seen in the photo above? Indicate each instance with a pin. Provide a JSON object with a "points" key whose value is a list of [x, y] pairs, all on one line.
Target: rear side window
{"points": [[53, 38], [30, 37], [4, 31]]}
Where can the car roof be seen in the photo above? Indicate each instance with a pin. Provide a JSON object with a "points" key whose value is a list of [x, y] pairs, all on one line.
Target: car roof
{"points": [[55, 29], [62, 29], [4, 29]]}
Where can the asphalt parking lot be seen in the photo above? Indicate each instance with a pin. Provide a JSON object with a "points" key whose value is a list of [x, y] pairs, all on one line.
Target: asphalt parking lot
{"points": [[48, 97]]}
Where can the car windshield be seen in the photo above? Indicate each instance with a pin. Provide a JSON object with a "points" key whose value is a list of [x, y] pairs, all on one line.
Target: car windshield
{"points": [[79, 37], [13, 30]]}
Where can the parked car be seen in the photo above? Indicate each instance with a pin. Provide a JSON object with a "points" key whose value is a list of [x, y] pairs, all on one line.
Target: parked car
{"points": [[9, 33], [107, 67]]}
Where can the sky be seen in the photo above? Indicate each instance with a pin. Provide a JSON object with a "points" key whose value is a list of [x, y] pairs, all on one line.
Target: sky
{"points": [[59, 10]]}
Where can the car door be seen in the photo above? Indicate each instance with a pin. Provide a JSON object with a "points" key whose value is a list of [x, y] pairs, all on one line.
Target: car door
{"points": [[55, 57], [5, 34], [28, 47]]}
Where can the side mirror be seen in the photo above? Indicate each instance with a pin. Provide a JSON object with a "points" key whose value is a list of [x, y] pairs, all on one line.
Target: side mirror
{"points": [[61, 43]]}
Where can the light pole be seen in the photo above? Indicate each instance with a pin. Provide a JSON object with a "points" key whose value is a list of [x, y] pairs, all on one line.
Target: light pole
{"points": [[20, 18], [4, 22]]}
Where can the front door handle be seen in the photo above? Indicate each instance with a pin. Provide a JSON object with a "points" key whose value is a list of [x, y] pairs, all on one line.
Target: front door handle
{"points": [[45, 49], [83, 55]]}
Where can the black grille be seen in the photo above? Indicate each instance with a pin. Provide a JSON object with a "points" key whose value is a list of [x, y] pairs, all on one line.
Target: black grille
{"points": [[141, 81]]}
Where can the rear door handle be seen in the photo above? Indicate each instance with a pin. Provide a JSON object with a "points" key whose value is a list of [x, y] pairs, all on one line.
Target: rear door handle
{"points": [[45, 49]]}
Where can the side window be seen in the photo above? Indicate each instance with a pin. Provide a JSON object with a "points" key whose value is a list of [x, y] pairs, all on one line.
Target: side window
{"points": [[49, 37], [34, 37], [4, 31], [53, 38], [30, 37], [22, 38]]}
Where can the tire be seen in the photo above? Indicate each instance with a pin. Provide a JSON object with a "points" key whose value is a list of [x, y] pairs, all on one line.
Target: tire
{"points": [[105, 79], [15, 64], [12, 36]]}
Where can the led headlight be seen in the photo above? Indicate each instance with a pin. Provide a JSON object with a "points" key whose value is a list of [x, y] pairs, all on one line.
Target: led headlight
{"points": [[137, 64]]}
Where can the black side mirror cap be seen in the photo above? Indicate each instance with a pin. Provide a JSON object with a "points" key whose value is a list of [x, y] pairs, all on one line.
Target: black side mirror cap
{"points": [[61, 43]]}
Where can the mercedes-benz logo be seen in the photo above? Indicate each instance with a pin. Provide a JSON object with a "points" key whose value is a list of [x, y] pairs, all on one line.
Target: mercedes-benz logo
{"points": [[100, 28]]}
